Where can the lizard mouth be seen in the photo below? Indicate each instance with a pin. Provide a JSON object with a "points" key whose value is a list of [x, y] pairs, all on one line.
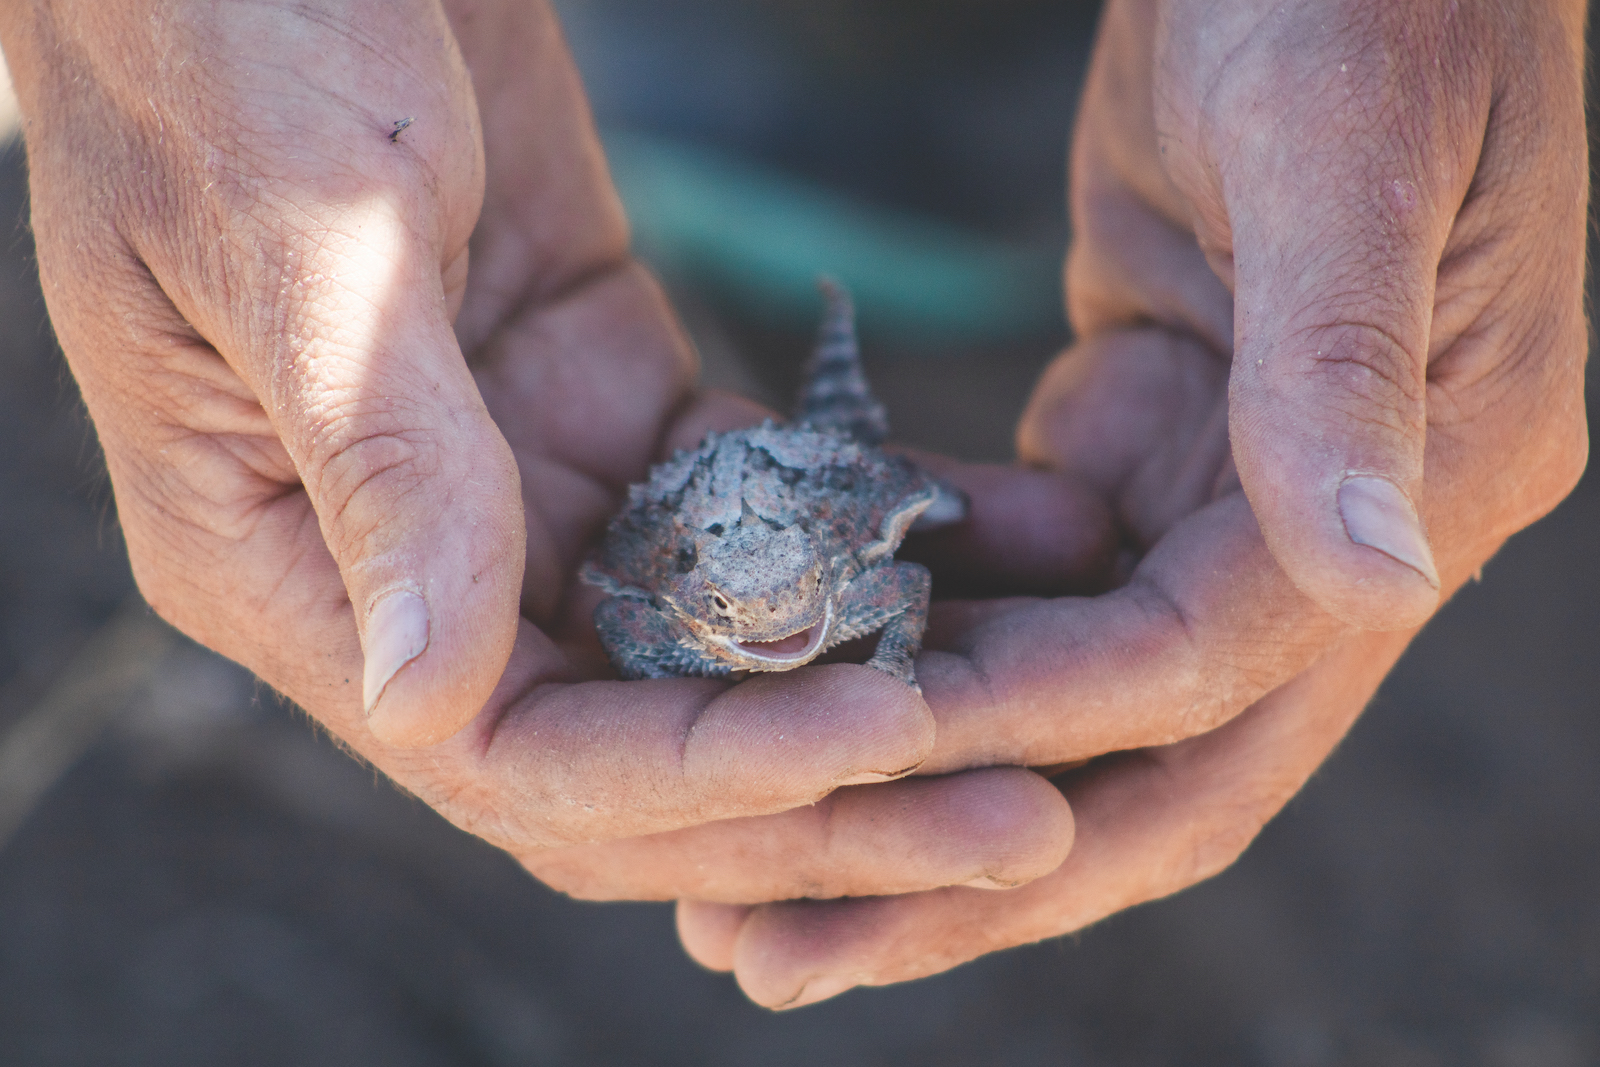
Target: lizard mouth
{"points": [[797, 646]]}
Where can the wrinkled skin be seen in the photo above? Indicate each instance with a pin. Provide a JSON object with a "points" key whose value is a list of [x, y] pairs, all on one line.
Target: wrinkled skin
{"points": [[1312, 240], [1339, 257], [316, 419]]}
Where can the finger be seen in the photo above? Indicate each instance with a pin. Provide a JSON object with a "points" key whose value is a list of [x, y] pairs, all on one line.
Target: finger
{"points": [[1027, 531], [1207, 625], [1133, 258], [550, 215], [584, 389], [1138, 414], [415, 491], [1333, 245], [1149, 824], [549, 764], [312, 254], [708, 931], [992, 829]]}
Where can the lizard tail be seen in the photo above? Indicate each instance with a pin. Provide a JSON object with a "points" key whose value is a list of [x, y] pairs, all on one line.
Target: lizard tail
{"points": [[836, 394]]}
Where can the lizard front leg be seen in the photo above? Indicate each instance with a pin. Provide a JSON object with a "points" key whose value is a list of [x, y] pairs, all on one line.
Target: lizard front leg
{"points": [[894, 598], [643, 643]]}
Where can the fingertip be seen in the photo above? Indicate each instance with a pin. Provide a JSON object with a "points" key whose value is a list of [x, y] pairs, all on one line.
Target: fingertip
{"points": [[783, 958], [1028, 531], [422, 682], [1031, 822], [1378, 515], [855, 724], [798, 952], [431, 696], [1386, 598], [436, 647], [989, 828], [896, 725], [1368, 562], [823, 987], [709, 932]]}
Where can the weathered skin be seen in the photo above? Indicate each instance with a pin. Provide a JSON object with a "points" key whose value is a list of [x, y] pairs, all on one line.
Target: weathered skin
{"points": [[765, 547]]}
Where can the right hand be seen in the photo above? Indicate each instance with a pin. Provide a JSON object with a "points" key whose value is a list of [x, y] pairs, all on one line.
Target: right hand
{"points": [[370, 479], [1318, 247]]}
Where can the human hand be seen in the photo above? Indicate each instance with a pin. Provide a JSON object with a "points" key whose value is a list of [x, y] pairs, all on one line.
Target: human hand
{"points": [[1328, 283], [252, 223]]}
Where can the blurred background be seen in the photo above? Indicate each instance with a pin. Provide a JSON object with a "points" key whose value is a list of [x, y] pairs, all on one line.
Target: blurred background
{"points": [[191, 874]]}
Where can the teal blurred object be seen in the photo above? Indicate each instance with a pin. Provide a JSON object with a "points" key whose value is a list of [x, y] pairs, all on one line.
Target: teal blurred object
{"points": [[759, 238]]}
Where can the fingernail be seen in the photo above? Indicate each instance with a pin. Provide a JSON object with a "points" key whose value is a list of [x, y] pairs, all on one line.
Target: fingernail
{"points": [[828, 985], [397, 633], [873, 777], [1377, 514], [987, 881]]}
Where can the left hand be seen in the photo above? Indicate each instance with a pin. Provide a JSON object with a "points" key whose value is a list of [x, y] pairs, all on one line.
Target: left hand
{"points": [[1328, 284], [255, 267]]}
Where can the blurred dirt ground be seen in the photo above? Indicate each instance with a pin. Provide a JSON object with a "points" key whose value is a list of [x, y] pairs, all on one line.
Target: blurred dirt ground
{"points": [[210, 882]]}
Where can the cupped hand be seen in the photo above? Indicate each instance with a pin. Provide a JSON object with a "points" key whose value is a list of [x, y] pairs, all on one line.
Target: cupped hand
{"points": [[1328, 283], [368, 474]]}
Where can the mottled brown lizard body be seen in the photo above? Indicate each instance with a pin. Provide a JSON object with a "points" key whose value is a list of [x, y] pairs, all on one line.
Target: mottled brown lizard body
{"points": [[765, 547]]}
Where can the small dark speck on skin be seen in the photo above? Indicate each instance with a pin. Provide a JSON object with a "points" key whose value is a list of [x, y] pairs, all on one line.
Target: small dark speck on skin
{"points": [[399, 128], [474, 579]]}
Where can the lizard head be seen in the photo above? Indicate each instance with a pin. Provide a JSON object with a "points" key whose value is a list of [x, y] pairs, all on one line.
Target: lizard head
{"points": [[757, 598]]}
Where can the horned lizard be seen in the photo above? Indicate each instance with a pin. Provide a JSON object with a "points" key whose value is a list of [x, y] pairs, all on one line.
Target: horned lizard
{"points": [[765, 547]]}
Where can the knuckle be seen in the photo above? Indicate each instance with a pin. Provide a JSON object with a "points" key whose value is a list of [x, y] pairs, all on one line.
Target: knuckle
{"points": [[1520, 415], [1560, 456], [1347, 375], [567, 872], [1561, 435], [1215, 847], [360, 464], [1567, 457], [1216, 828], [469, 810], [1179, 641], [1220, 671], [1218, 833], [1367, 363]]}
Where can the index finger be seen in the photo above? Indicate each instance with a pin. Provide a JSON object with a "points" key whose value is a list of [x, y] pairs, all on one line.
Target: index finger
{"points": [[1040, 531], [550, 763], [1208, 625]]}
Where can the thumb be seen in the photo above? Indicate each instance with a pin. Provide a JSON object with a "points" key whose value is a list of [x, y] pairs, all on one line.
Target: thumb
{"points": [[1335, 256], [416, 493], [267, 188]]}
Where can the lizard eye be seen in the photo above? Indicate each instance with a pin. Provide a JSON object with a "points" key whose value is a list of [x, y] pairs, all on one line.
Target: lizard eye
{"points": [[720, 602]]}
